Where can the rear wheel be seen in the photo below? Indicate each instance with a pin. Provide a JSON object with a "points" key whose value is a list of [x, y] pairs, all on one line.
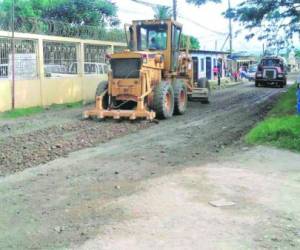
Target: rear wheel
{"points": [[102, 87], [257, 84], [180, 97], [163, 100]]}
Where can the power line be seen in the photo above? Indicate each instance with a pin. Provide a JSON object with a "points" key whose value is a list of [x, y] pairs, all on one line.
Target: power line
{"points": [[175, 14], [202, 26], [152, 5]]}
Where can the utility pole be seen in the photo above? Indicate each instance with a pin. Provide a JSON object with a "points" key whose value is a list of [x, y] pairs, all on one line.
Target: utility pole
{"points": [[13, 54], [175, 10], [230, 28]]}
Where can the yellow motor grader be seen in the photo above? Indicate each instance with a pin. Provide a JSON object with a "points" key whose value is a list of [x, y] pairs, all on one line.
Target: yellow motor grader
{"points": [[150, 79]]}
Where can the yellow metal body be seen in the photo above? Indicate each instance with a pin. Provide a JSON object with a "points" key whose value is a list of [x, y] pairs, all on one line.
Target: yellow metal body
{"points": [[166, 65]]}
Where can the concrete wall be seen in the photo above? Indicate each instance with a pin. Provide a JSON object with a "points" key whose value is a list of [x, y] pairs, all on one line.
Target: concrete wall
{"points": [[44, 91]]}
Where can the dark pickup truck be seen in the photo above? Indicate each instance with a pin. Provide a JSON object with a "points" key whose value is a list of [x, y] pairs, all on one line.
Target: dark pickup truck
{"points": [[271, 71]]}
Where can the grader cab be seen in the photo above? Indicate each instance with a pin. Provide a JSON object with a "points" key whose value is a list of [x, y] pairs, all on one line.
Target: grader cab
{"points": [[151, 79]]}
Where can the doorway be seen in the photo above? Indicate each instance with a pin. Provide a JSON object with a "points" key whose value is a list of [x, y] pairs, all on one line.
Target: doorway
{"points": [[195, 68], [208, 68]]}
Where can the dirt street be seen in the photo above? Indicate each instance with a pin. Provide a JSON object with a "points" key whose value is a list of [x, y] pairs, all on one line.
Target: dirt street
{"points": [[149, 186]]}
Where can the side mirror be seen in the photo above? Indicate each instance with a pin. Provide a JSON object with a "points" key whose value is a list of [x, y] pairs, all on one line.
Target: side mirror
{"points": [[259, 67]]}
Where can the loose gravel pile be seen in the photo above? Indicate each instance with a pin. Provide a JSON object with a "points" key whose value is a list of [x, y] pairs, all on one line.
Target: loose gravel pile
{"points": [[18, 152]]}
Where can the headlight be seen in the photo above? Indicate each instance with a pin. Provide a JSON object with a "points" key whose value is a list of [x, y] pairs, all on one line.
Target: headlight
{"points": [[280, 75], [259, 74]]}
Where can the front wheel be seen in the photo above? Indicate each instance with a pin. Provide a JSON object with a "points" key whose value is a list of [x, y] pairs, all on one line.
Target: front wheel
{"points": [[163, 100], [180, 97], [281, 84]]}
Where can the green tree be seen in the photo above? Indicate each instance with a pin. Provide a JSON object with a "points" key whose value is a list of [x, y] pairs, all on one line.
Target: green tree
{"points": [[275, 21], [194, 42], [82, 12], [162, 12]]}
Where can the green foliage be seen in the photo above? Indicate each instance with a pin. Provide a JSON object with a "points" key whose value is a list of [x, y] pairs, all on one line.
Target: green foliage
{"points": [[286, 104], [283, 132], [275, 21], [282, 127], [194, 42], [83, 12], [71, 18], [162, 12]]}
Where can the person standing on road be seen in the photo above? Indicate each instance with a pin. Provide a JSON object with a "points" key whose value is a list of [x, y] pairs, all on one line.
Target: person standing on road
{"points": [[219, 74], [216, 71]]}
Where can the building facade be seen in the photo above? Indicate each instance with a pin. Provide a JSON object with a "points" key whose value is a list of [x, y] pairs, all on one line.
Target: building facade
{"points": [[204, 62]]}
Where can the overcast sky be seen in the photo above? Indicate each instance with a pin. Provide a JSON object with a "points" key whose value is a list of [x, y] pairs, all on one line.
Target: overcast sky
{"points": [[208, 15]]}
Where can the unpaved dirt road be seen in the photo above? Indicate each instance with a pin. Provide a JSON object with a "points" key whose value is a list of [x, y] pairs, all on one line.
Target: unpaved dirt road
{"points": [[151, 189]]}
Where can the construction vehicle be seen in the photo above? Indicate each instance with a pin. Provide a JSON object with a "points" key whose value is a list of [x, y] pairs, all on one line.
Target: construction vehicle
{"points": [[152, 78]]}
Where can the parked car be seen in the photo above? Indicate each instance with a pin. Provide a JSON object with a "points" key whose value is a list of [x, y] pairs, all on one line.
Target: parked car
{"points": [[271, 71], [252, 72], [55, 70]]}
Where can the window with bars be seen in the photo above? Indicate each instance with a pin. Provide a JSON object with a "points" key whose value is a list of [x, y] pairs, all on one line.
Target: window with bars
{"points": [[60, 59], [95, 61], [25, 59]]}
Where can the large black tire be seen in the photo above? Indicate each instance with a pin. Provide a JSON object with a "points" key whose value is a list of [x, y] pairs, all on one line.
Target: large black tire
{"points": [[257, 84], [163, 100], [102, 86], [180, 97]]}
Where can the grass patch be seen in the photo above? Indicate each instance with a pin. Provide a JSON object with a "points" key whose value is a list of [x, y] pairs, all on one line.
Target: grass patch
{"points": [[286, 104], [21, 112], [281, 128], [67, 105], [12, 114], [282, 132]]}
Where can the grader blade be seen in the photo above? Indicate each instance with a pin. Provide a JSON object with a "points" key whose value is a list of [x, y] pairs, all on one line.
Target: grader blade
{"points": [[101, 113]]}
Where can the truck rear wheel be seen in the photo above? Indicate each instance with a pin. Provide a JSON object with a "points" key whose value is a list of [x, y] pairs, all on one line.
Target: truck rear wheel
{"points": [[102, 86], [180, 97], [163, 100]]}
